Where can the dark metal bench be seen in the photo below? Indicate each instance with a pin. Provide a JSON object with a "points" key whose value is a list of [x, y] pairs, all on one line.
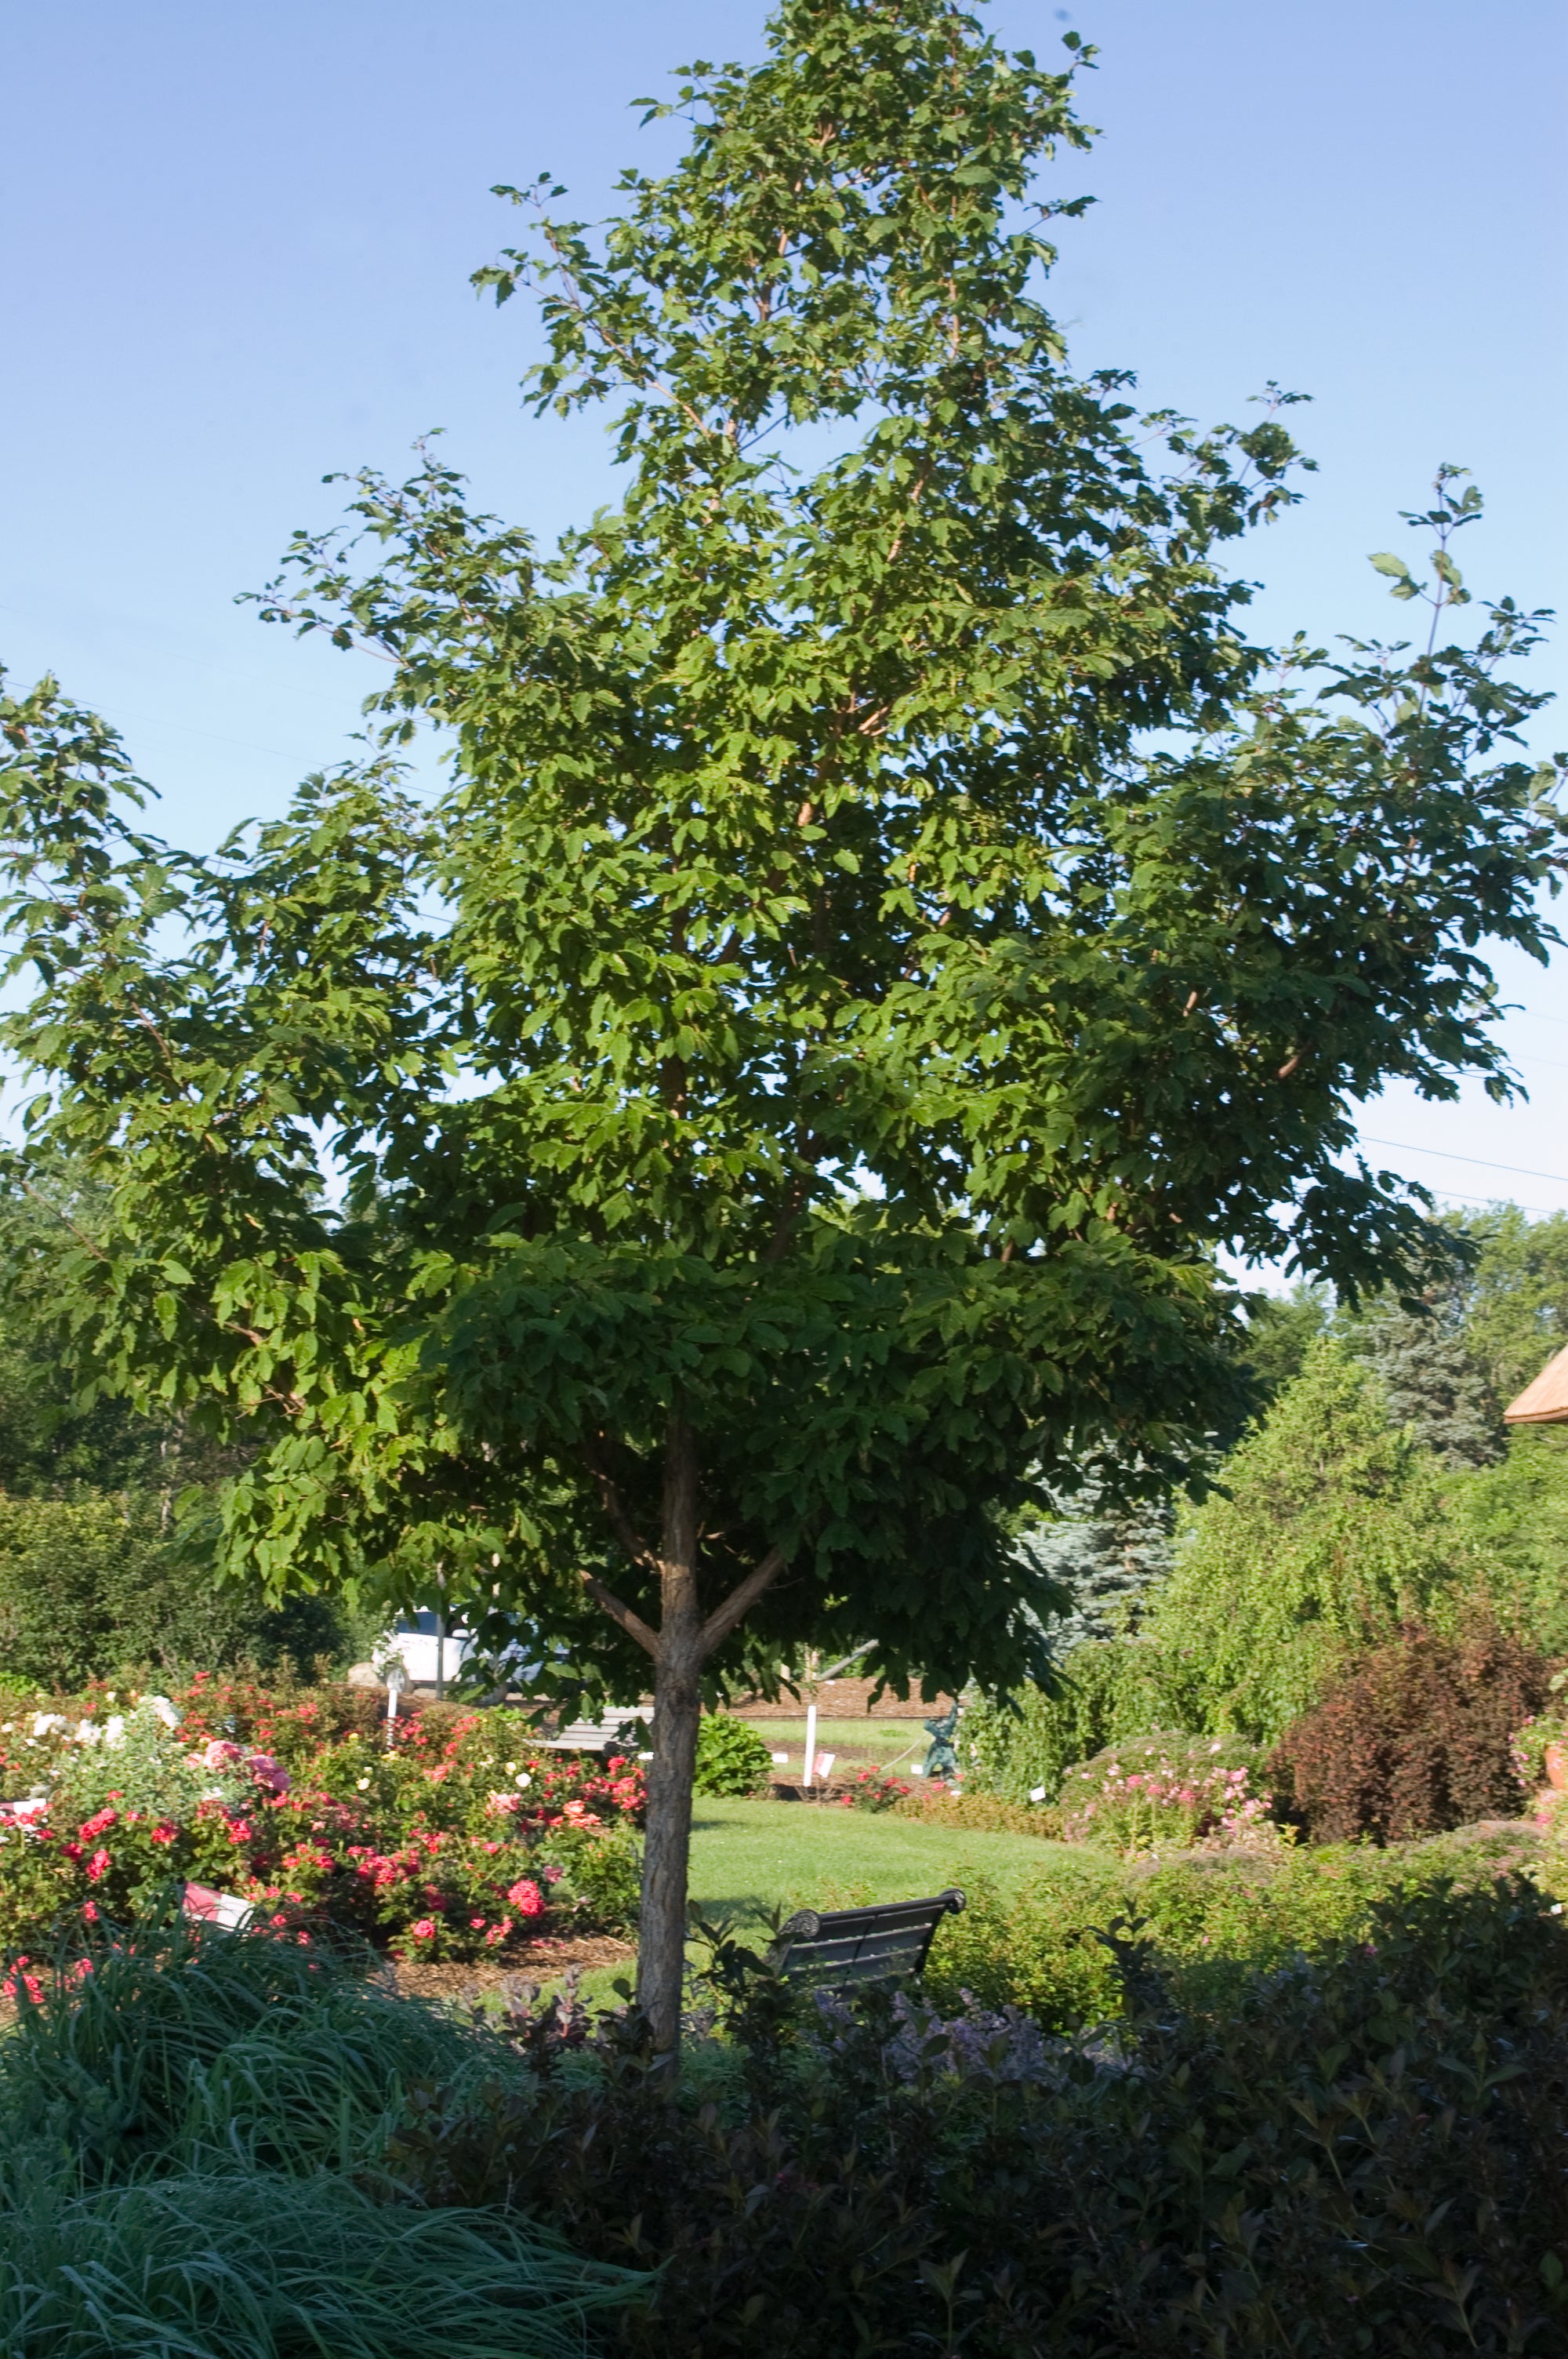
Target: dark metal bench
{"points": [[837, 1947]]}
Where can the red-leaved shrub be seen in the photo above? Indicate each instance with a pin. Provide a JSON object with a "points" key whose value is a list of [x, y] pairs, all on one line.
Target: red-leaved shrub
{"points": [[1412, 1739]]}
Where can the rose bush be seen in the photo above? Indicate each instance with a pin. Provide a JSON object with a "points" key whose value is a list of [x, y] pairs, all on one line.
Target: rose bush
{"points": [[452, 1841], [1166, 1793], [870, 1788]]}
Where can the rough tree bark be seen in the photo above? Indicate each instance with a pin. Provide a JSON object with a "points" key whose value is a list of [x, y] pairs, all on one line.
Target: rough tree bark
{"points": [[681, 1644], [661, 1952]]}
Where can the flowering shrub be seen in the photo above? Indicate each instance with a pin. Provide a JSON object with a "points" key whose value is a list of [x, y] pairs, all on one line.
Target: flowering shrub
{"points": [[1166, 1793], [1535, 1737], [455, 1842], [870, 1790]]}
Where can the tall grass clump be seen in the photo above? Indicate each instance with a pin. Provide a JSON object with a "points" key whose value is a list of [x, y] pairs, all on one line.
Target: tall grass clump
{"points": [[191, 2138]]}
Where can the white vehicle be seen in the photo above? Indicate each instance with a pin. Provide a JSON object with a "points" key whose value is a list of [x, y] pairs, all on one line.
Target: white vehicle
{"points": [[430, 1657], [433, 1658]]}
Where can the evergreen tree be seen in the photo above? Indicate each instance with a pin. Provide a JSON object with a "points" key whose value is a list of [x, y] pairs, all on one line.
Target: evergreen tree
{"points": [[1106, 1555], [1434, 1389]]}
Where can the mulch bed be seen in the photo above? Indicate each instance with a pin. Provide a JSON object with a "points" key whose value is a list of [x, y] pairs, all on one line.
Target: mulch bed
{"points": [[531, 1962], [843, 1699]]}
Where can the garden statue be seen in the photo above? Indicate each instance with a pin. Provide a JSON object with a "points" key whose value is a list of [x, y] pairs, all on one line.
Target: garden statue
{"points": [[942, 1761]]}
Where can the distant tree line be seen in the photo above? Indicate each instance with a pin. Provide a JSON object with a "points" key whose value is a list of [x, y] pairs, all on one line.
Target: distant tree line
{"points": [[99, 1576]]}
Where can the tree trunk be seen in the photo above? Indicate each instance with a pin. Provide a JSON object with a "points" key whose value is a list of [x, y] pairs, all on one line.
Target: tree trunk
{"points": [[680, 1647], [661, 1951]]}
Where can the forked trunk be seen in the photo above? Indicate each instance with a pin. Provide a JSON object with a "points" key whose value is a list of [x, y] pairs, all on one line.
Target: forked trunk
{"points": [[680, 1647]]}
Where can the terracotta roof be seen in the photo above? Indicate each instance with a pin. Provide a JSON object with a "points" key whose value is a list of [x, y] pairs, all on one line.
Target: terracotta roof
{"points": [[1545, 1402]]}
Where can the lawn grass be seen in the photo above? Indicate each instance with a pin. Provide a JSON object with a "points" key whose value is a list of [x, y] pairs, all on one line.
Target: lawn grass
{"points": [[754, 1855], [860, 1738]]}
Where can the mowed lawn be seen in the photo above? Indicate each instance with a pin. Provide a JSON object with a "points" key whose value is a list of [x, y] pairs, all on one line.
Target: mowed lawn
{"points": [[757, 1855], [892, 1743], [750, 1858]]}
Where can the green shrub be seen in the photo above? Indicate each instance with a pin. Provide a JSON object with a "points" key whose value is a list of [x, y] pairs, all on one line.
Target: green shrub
{"points": [[1331, 1536], [1020, 1746], [1039, 1951], [1415, 1738], [732, 1758], [1353, 2147], [987, 1813], [1214, 1921]]}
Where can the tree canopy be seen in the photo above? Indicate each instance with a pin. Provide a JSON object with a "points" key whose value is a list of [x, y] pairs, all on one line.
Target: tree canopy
{"points": [[776, 1114]]}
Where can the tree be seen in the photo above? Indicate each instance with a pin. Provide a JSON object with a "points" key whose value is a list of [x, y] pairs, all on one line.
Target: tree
{"points": [[886, 929], [1431, 1383], [1328, 1537], [1281, 1330], [1515, 1293]]}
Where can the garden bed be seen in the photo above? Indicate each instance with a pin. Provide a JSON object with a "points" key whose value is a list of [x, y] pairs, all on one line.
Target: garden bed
{"points": [[449, 1838], [544, 1963]]}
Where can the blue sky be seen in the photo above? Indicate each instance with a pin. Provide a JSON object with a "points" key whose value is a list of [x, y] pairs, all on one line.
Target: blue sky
{"points": [[235, 245]]}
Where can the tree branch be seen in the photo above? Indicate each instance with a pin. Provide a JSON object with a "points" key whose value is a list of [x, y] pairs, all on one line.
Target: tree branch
{"points": [[741, 1600], [625, 1530], [80, 1234], [844, 1662], [619, 1610]]}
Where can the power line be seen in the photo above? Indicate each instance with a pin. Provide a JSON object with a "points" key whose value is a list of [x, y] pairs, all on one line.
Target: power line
{"points": [[1445, 1154], [1454, 1196]]}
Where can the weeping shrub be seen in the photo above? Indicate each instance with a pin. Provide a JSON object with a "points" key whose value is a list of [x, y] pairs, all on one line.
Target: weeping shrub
{"points": [[1332, 1535], [1023, 1745]]}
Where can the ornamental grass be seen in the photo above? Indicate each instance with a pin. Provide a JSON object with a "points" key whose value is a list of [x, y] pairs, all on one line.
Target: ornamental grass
{"points": [[192, 2137]]}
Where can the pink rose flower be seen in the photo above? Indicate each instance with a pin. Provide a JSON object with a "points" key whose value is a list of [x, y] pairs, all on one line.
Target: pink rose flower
{"points": [[96, 1864], [527, 1897], [424, 1929]]}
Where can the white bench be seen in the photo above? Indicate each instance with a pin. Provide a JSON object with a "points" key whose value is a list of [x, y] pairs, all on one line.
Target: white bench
{"points": [[616, 1733]]}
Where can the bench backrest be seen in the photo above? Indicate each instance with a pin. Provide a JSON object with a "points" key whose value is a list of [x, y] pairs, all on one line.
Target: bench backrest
{"points": [[882, 1944], [617, 1732]]}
